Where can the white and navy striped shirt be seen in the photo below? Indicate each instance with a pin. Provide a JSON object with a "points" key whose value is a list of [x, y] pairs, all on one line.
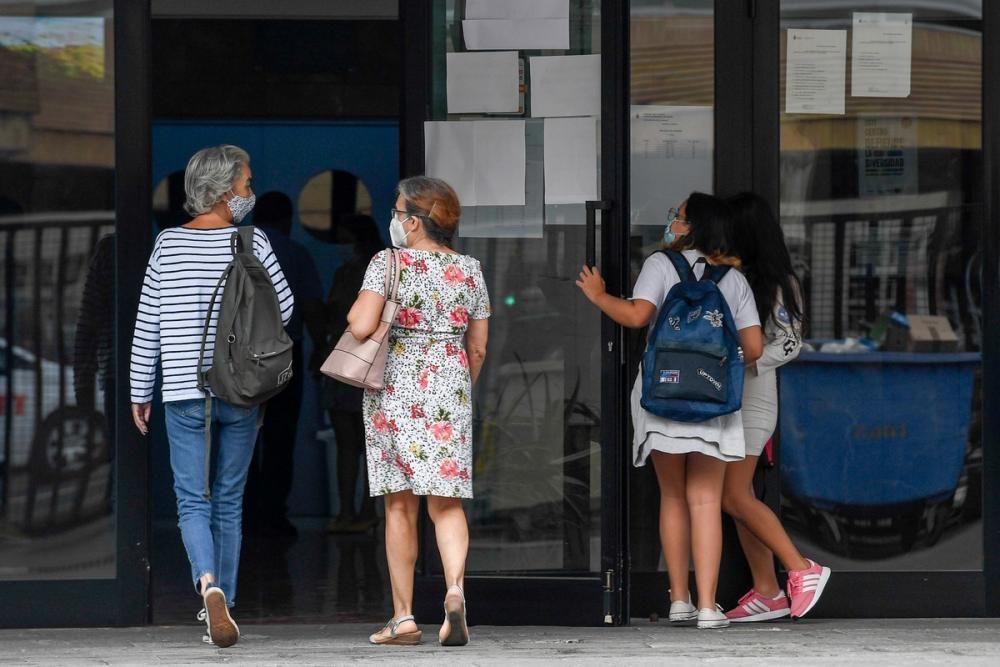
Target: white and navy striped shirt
{"points": [[181, 276]]}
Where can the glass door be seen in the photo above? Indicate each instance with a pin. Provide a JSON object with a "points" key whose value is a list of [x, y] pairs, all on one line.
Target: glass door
{"points": [[671, 154], [515, 124], [863, 124]]}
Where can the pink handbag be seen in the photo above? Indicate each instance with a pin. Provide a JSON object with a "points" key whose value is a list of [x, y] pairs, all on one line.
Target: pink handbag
{"points": [[362, 362]]}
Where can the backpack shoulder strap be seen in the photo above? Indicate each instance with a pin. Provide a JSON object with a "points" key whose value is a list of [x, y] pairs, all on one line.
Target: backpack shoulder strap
{"points": [[715, 273], [680, 264], [242, 240], [202, 380]]}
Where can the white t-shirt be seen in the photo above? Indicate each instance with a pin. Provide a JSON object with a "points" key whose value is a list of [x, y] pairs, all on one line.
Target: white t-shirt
{"points": [[720, 437], [658, 275]]}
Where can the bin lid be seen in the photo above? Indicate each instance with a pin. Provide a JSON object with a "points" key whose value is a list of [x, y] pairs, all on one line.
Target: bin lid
{"points": [[890, 358]]}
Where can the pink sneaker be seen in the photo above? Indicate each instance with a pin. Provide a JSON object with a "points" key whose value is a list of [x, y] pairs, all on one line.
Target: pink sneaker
{"points": [[806, 586], [755, 607]]}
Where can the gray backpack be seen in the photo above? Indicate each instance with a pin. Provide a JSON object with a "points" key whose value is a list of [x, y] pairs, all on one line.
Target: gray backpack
{"points": [[252, 360]]}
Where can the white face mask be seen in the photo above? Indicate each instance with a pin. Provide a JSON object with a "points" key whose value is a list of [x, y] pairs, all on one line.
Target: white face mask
{"points": [[396, 233]]}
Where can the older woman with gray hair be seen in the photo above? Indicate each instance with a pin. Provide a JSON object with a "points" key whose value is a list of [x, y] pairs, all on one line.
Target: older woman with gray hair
{"points": [[184, 268]]}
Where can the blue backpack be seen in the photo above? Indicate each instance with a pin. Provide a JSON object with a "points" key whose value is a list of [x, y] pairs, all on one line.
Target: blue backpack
{"points": [[692, 369]]}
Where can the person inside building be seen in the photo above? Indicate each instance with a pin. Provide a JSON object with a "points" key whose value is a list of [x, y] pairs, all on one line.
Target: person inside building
{"points": [[270, 478], [183, 272], [359, 242], [689, 457], [760, 244]]}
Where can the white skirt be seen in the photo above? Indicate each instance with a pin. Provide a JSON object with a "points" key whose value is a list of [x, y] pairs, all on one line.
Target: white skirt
{"points": [[760, 410], [720, 437]]}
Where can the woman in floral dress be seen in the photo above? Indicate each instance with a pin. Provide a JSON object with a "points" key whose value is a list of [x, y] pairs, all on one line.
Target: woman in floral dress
{"points": [[418, 428]]}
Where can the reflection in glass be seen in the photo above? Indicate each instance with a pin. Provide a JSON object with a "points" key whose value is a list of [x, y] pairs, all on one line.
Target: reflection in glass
{"points": [[880, 451], [168, 201], [328, 199], [56, 300]]}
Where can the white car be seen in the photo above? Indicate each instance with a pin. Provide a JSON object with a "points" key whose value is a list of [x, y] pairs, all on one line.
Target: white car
{"points": [[52, 454]]}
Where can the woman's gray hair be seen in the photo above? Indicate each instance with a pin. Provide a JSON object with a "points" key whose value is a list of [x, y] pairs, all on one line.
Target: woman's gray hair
{"points": [[210, 173]]}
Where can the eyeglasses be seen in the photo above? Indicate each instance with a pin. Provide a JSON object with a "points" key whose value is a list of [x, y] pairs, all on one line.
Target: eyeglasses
{"points": [[675, 215], [407, 214]]}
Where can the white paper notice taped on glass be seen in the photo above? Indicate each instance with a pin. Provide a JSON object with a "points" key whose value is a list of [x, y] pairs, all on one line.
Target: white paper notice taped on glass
{"points": [[513, 221], [516, 9], [815, 71], [671, 156], [482, 160], [881, 54], [508, 222], [483, 82], [570, 160], [503, 34], [565, 86]]}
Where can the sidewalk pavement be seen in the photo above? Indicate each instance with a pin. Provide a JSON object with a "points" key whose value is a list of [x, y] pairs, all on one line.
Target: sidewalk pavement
{"points": [[805, 642]]}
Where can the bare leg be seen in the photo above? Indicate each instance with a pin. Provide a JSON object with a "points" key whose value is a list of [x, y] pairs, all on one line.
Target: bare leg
{"points": [[761, 562], [401, 511], [675, 528], [705, 476], [760, 531], [452, 532]]}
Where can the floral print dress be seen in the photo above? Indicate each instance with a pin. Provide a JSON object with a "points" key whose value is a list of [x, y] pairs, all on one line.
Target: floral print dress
{"points": [[418, 428]]}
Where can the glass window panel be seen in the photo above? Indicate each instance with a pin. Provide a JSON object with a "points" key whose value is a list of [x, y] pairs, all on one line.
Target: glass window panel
{"points": [[881, 452], [57, 296]]}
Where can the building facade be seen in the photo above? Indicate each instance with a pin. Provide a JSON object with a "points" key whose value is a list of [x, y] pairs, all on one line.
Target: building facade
{"points": [[570, 132]]}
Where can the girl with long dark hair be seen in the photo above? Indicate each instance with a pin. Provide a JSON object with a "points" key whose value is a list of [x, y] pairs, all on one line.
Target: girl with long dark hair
{"points": [[760, 244], [689, 458]]}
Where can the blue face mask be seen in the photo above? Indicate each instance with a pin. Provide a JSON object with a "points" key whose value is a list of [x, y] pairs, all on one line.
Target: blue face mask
{"points": [[669, 236]]}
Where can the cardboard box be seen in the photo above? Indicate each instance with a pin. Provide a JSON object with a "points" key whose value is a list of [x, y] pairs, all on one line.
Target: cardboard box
{"points": [[923, 333]]}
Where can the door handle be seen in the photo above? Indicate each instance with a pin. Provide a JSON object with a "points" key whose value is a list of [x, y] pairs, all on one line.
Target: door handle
{"points": [[592, 207]]}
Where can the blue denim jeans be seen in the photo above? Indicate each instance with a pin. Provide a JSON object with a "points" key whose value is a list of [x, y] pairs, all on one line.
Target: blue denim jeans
{"points": [[212, 530]]}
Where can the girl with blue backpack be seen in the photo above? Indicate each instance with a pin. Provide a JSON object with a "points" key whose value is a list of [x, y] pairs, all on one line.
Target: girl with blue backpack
{"points": [[759, 242], [689, 448]]}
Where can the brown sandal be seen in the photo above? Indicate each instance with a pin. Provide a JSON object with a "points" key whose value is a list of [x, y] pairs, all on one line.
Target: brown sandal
{"points": [[454, 616], [396, 638]]}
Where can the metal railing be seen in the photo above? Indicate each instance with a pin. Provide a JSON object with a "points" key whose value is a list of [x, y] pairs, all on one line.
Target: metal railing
{"points": [[56, 467]]}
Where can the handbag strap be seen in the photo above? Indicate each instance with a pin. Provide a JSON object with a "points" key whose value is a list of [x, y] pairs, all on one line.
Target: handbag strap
{"points": [[392, 276]]}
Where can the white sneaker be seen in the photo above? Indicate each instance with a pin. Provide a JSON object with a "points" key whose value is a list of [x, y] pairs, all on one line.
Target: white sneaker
{"points": [[681, 611], [712, 618], [203, 617], [222, 629]]}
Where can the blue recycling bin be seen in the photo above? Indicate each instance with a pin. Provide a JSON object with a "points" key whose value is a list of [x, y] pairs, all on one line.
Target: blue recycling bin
{"points": [[874, 429]]}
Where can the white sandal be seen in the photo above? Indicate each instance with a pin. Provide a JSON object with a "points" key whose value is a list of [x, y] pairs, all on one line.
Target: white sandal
{"points": [[395, 637]]}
